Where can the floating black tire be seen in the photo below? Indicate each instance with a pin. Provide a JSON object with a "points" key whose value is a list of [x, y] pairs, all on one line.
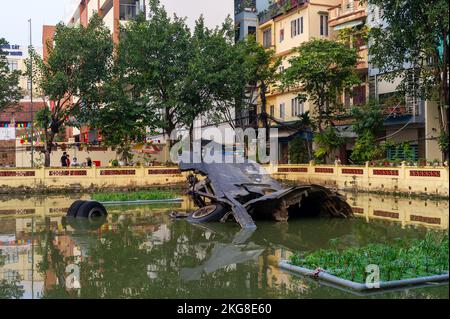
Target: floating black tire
{"points": [[73, 209], [210, 213], [92, 209]]}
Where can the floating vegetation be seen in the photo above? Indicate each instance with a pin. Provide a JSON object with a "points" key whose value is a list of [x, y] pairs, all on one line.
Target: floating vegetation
{"points": [[402, 259], [155, 194]]}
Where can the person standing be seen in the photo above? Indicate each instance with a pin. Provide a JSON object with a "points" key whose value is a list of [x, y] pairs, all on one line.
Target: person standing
{"points": [[67, 160], [64, 160], [89, 162]]}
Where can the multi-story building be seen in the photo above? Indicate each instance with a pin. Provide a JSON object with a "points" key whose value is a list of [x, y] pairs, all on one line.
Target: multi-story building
{"points": [[246, 23], [246, 16], [17, 119], [348, 21], [283, 27], [407, 118], [114, 13]]}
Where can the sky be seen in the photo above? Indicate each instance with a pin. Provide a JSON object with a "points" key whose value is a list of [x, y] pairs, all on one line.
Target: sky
{"points": [[14, 15]]}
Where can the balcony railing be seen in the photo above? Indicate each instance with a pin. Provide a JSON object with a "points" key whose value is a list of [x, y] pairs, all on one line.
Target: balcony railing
{"points": [[128, 12], [347, 7], [278, 8]]}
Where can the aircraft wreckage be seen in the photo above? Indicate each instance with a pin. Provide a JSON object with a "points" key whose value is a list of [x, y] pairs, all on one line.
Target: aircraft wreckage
{"points": [[245, 192]]}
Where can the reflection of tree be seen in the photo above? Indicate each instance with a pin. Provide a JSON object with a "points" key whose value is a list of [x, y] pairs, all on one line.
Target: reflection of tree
{"points": [[10, 289]]}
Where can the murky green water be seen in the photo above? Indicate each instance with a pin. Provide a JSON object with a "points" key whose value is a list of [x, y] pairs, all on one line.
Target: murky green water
{"points": [[141, 253]]}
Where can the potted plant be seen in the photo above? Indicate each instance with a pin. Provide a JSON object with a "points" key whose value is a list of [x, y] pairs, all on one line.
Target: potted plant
{"points": [[422, 162]]}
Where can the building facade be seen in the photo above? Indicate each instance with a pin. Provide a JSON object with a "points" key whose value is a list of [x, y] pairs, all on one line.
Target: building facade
{"points": [[284, 26], [408, 119], [16, 121]]}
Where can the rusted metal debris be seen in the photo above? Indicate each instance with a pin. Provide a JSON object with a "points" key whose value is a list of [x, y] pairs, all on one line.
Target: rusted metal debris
{"points": [[246, 192]]}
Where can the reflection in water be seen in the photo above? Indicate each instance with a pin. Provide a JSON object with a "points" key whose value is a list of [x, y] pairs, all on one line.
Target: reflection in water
{"points": [[139, 252]]}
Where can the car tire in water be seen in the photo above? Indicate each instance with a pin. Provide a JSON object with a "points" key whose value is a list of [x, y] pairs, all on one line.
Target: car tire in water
{"points": [[73, 209], [210, 213], [92, 209]]}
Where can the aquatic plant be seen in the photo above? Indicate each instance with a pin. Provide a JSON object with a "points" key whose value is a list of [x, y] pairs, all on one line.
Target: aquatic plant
{"points": [[403, 259], [133, 196]]}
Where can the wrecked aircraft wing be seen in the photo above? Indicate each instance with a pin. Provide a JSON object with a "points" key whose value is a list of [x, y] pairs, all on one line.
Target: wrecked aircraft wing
{"points": [[246, 191]]}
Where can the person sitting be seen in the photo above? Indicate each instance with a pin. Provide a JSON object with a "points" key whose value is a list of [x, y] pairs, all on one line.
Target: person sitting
{"points": [[75, 162]]}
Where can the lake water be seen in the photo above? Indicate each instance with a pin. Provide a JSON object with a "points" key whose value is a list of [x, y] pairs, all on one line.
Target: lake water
{"points": [[140, 252]]}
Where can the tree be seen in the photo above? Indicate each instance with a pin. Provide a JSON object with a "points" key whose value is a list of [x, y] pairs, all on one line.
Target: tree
{"points": [[261, 68], [79, 63], [156, 55], [367, 122], [322, 69], [327, 141], [298, 152], [414, 33], [9, 81]]}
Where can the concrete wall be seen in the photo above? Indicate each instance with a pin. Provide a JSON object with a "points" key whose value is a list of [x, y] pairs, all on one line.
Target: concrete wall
{"points": [[433, 181], [411, 180]]}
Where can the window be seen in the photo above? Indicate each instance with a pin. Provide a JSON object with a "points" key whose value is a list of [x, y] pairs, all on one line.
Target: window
{"points": [[297, 107], [324, 25], [272, 110], [293, 28], [267, 38], [281, 35], [359, 95], [251, 30], [296, 27], [282, 111], [13, 65]]}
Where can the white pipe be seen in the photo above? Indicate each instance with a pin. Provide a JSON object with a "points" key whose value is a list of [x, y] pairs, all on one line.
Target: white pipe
{"points": [[358, 286]]}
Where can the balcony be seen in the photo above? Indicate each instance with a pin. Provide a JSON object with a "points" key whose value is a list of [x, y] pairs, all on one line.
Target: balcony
{"points": [[400, 112], [278, 8], [347, 12]]}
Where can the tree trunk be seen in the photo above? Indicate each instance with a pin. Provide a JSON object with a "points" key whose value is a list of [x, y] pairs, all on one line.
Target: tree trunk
{"points": [[264, 120], [48, 148]]}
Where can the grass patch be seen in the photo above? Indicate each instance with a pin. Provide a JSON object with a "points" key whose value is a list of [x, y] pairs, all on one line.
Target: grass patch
{"points": [[403, 259], [133, 196]]}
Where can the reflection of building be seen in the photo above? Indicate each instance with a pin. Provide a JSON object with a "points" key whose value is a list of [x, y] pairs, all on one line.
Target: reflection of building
{"points": [[20, 257]]}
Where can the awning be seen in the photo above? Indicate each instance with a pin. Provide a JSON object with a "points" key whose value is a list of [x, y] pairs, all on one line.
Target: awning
{"points": [[346, 25]]}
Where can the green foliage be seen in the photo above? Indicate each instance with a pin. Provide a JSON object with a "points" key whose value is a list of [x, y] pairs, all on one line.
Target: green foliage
{"points": [[322, 68], [367, 117], [10, 93], [298, 152], [143, 195], [327, 142], [404, 259], [366, 149], [367, 121], [260, 69], [79, 62], [443, 142], [413, 32]]}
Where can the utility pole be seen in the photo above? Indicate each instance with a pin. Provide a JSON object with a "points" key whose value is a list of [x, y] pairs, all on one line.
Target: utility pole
{"points": [[31, 96]]}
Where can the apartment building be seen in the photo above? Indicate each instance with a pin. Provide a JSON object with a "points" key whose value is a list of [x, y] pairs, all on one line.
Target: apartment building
{"points": [[16, 121], [407, 118], [348, 21], [246, 16], [114, 13], [282, 27]]}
